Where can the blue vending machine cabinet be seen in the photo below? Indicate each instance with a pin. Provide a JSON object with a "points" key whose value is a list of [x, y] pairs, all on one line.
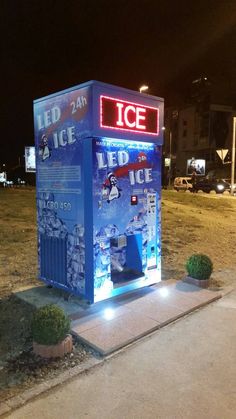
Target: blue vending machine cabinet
{"points": [[98, 170]]}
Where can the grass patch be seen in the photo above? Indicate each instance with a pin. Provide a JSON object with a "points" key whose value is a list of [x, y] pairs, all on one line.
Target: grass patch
{"points": [[217, 203], [17, 239]]}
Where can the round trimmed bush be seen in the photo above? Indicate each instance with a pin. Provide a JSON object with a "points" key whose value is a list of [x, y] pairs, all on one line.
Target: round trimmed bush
{"points": [[50, 325], [199, 266]]}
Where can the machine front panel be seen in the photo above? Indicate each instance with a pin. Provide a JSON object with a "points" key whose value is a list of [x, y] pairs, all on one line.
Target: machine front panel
{"points": [[126, 201]]}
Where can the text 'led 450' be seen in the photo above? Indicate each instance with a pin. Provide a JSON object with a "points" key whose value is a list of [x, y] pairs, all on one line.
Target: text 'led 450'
{"points": [[128, 116]]}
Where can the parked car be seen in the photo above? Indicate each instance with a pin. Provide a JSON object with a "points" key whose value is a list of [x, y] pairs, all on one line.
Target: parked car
{"points": [[183, 184], [212, 184], [234, 185]]}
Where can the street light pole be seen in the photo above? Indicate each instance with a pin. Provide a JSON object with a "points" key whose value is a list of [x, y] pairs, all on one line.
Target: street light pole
{"points": [[143, 88], [170, 168], [233, 157]]}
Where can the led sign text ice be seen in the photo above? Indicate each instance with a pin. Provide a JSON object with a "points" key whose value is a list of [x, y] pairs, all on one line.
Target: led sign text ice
{"points": [[128, 116]]}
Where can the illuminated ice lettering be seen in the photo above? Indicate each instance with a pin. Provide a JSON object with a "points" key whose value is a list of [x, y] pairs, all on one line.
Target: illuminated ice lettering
{"points": [[49, 117], [133, 112], [64, 136], [60, 137], [140, 176], [112, 159], [123, 115]]}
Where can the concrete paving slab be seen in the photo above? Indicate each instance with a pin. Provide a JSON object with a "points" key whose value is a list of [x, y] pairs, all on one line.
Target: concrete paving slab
{"points": [[113, 324], [136, 323], [42, 295], [95, 317], [107, 337], [171, 298], [109, 325], [163, 313], [86, 323]]}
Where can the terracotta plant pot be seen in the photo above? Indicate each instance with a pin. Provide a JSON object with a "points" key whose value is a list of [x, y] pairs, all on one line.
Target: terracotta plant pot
{"points": [[202, 283], [54, 351]]}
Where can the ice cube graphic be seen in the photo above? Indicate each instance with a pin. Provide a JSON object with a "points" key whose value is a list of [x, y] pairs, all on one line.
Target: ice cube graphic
{"points": [[102, 255], [76, 259]]}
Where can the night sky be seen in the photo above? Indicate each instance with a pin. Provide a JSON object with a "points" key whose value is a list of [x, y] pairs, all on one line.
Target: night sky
{"points": [[48, 46]]}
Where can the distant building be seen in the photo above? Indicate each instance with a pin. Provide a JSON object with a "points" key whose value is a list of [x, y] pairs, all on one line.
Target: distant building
{"points": [[196, 131]]}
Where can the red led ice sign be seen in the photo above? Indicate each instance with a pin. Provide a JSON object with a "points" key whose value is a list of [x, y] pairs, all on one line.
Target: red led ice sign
{"points": [[128, 116]]}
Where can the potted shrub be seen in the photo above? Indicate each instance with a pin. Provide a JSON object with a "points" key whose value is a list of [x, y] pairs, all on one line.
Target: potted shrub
{"points": [[50, 330], [199, 268]]}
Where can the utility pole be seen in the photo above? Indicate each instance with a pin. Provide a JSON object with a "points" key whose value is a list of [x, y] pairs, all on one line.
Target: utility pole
{"points": [[233, 156], [170, 166]]}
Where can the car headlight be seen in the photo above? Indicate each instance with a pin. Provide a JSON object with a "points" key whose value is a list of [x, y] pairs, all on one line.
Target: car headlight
{"points": [[220, 187]]}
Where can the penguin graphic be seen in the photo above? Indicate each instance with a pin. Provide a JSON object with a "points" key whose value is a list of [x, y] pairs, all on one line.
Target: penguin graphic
{"points": [[44, 150], [114, 190]]}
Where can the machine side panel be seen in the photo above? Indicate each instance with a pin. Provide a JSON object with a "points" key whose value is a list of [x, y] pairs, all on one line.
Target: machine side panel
{"points": [[60, 124]]}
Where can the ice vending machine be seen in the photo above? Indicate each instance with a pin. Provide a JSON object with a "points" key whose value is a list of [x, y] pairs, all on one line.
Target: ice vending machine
{"points": [[98, 172]]}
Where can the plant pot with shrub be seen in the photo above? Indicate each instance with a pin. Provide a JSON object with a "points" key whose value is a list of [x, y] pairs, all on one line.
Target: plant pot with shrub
{"points": [[50, 330], [199, 268]]}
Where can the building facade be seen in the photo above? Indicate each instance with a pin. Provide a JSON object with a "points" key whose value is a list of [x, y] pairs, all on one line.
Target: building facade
{"points": [[195, 132]]}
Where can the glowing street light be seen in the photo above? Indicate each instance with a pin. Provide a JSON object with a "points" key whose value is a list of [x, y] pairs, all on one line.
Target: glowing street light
{"points": [[143, 88]]}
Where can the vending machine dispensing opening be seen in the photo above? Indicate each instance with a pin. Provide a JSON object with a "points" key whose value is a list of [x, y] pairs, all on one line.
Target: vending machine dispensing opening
{"points": [[126, 259], [98, 155]]}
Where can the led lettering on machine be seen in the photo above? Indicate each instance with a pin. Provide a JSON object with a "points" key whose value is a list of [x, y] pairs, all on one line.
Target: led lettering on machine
{"points": [[128, 109], [119, 122], [119, 114], [140, 117], [130, 116]]}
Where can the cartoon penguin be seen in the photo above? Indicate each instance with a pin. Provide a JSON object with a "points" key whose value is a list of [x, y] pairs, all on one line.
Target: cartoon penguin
{"points": [[44, 150], [114, 190]]}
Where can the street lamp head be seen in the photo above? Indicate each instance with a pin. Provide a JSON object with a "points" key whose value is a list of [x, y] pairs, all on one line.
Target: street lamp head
{"points": [[143, 88]]}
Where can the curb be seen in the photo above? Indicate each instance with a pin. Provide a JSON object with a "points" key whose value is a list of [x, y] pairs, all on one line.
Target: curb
{"points": [[17, 401]]}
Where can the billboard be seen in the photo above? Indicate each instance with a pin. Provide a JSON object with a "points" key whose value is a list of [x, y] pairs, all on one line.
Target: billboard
{"points": [[167, 162], [30, 165], [3, 177], [197, 165]]}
